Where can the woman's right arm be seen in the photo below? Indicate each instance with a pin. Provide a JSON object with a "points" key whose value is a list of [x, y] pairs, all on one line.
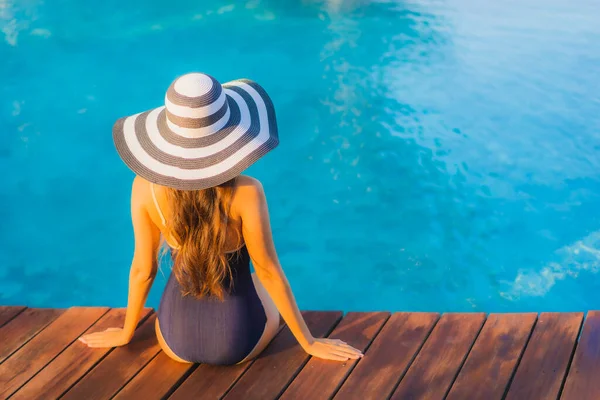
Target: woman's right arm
{"points": [[256, 230]]}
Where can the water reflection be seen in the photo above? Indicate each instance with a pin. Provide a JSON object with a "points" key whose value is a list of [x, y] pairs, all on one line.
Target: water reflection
{"points": [[433, 154], [450, 191]]}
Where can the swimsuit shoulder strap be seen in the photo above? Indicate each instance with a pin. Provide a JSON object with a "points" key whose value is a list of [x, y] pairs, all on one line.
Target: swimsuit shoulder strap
{"points": [[160, 213]]}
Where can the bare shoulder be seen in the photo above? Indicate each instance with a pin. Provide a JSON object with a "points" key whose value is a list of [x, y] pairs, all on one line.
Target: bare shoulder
{"points": [[140, 191], [249, 193], [247, 186]]}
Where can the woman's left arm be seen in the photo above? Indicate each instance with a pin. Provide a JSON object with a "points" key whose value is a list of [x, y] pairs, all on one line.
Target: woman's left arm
{"points": [[142, 273]]}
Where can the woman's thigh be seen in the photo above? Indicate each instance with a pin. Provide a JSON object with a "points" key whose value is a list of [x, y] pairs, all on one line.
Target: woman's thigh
{"points": [[272, 325], [164, 346]]}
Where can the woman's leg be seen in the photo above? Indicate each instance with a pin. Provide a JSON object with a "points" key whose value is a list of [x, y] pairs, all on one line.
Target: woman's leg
{"points": [[164, 346], [272, 325]]}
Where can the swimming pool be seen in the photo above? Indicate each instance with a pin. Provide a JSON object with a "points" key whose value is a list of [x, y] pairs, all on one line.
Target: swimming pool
{"points": [[434, 155]]}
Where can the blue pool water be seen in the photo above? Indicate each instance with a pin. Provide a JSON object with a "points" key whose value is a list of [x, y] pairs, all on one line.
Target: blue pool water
{"points": [[435, 155]]}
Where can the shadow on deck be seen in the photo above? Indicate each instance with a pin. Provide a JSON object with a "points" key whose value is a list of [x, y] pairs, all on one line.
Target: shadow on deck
{"points": [[407, 356]]}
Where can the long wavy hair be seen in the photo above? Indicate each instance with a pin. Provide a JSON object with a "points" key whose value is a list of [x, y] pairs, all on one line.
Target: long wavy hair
{"points": [[197, 222]]}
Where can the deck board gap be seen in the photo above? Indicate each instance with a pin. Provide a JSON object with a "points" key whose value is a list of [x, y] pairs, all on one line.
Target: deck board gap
{"points": [[126, 382], [86, 372], [513, 380], [514, 372], [337, 389], [13, 317], [179, 381], [144, 318], [564, 379], [241, 375], [414, 357], [28, 340], [56, 355], [281, 326], [462, 364], [307, 359]]}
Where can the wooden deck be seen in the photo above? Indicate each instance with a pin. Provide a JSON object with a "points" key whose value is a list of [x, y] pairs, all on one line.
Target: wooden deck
{"points": [[407, 356]]}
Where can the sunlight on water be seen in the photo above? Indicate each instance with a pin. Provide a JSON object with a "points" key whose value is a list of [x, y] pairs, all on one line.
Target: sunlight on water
{"points": [[434, 155]]}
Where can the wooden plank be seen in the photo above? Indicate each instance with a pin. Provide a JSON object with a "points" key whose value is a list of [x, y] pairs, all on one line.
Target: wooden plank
{"points": [[22, 328], [210, 381], [119, 366], [582, 381], [389, 356], [437, 364], [494, 357], [46, 345], [320, 379], [544, 364], [74, 362], [270, 374], [9, 312], [157, 380]]}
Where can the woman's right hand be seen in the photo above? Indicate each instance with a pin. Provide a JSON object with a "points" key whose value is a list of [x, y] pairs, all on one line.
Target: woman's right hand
{"points": [[332, 349]]}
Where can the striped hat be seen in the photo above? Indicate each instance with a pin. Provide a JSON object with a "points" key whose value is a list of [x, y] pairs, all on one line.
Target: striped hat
{"points": [[204, 135]]}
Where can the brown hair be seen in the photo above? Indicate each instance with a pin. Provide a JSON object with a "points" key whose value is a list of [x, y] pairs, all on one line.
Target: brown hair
{"points": [[198, 224]]}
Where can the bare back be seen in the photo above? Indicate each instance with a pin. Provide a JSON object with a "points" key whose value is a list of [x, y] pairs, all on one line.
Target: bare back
{"points": [[157, 206]]}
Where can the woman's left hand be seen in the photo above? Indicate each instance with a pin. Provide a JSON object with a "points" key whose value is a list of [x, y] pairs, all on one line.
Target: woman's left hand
{"points": [[112, 337]]}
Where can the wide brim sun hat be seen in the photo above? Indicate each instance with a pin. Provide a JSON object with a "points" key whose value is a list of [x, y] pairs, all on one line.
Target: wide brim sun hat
{"points": [[206, 133]]}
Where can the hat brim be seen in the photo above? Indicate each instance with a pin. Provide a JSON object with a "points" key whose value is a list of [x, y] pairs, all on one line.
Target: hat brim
{"points": [[153, 151]]}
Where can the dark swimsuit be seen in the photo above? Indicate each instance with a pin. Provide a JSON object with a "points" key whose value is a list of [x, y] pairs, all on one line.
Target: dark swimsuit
{"points": [[209, 330]]}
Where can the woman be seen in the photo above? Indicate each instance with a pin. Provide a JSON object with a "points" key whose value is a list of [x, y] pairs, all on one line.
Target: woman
{"points": [[188, 156]]}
